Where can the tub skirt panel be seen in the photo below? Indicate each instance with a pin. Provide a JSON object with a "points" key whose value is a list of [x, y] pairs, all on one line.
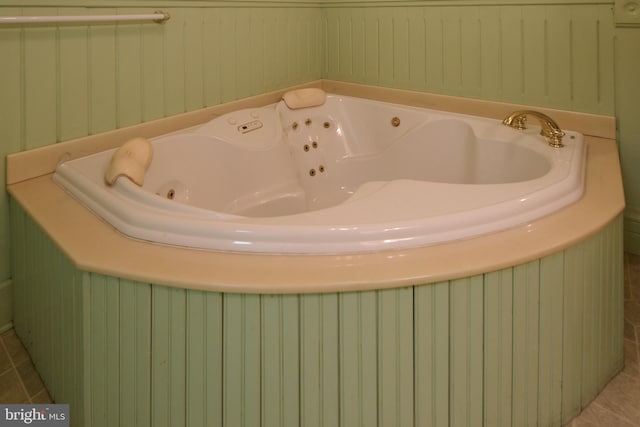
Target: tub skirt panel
{"points": [[527, 345]]}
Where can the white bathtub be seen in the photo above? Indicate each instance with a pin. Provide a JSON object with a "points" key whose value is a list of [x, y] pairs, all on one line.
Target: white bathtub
{"points": [[339, 178]]}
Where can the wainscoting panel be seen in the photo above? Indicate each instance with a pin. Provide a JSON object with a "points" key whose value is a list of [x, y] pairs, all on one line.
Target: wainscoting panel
{"points": [[526, 345], [552, 55]]}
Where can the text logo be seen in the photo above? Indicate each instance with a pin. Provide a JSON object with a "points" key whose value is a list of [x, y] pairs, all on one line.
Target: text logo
{"points": [[53, 415]]}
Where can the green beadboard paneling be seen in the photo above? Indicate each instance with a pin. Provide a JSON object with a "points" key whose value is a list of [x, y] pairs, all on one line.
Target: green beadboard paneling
{"points": [[358, 358], [280, 397], [39, 85], [395, 357], [627, 112], [550, 339], [466, 312], [101, 75], [558, 56], [10, 127], [48, 304], [573, 309], [73, 81], [168, 343], [526, 300], [319, 361], [528, 345], [498, 347], [431, 354], [241, 360]]}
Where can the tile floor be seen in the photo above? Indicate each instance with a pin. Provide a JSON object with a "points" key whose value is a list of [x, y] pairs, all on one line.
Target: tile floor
{"points": [[617, 406], [19, 381]]}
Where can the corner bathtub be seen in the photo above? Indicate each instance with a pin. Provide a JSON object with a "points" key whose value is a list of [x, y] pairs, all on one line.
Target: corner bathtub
{"points": [[351, 175], [519, 327]]}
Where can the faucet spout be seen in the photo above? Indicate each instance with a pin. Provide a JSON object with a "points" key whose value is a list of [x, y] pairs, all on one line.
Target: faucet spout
{"points": [[549, 128]]}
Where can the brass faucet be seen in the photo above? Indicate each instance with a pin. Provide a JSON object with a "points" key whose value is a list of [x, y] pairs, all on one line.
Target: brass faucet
{"points": [[550, 129]]}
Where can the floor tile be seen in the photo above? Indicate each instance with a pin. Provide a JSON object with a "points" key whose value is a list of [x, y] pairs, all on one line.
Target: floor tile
{"points": [[631, 366], [11, 391], [30, 378], [629, 331], [16, 350], [621, 396], [632, 312], [597, 416], [5, 361], [42, 397]]}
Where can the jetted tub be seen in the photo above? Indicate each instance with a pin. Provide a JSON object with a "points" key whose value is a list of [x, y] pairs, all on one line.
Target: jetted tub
{"points": [[351, 175]]}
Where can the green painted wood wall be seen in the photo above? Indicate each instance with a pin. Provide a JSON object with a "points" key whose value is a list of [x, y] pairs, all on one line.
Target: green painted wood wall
{"points": [[554, 55], [528, 345]]}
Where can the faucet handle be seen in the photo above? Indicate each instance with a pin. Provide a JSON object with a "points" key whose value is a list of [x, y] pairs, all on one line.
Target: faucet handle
{"points": [[554, 137], [519, 122]]}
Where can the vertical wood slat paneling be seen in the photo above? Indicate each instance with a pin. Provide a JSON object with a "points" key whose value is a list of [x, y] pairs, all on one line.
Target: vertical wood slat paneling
{"points": [[431, 354], [536, 54], [39, 90], [169, 358], [174, 63], [526, 300], [558, 56], [452, 56], [279, 361], [591, 321], [241, 46], [128, 76], [482, 348], [358, 359], [56, 322], [118, 366], [11, 130], [466, 351], [154, 76], [102, 78], [192, 48], [196, 359], [401, 53], [319, 361], [134, 365], [395, 357], [573, 333], [558, 41], [73, 81], [203, 371], [550, 339], [498, 347], [241, 347], [48, 305]]}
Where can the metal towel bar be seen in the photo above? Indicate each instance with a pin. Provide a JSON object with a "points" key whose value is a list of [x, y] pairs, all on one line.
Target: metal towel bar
{"points": [[157, 16]]}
